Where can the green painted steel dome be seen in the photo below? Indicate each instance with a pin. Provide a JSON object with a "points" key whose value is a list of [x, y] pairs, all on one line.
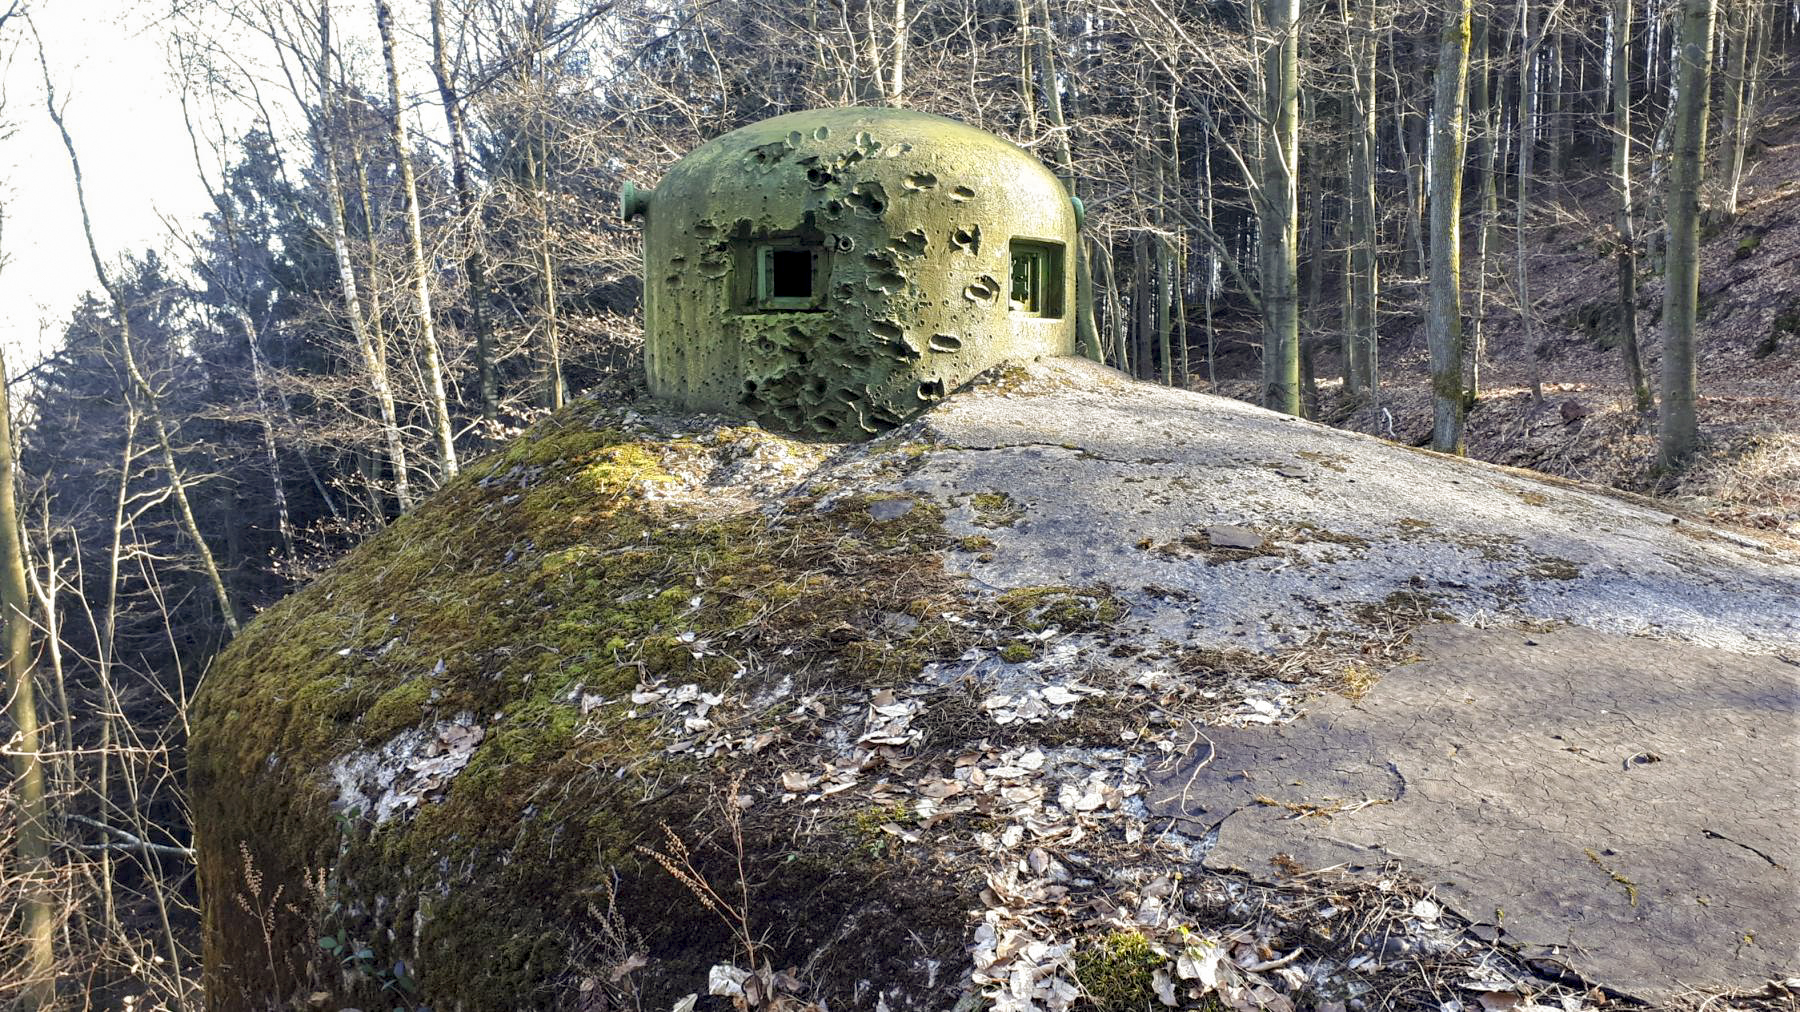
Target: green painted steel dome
{"points": [[835, 272]]}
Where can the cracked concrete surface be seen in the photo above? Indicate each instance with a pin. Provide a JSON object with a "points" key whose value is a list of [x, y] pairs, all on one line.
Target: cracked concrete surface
{"points": [[1617, 794], [1620, 806], [1116, 479]]}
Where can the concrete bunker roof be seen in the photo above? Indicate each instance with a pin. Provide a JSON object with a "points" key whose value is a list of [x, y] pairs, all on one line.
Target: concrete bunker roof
{"points": [[719, 165], [884, 132]]}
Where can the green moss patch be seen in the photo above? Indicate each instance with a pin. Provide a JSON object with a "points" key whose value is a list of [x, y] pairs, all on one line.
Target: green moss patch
{"points": [[1070, 609], [995, 509], [1118, 973], [530, 597]]}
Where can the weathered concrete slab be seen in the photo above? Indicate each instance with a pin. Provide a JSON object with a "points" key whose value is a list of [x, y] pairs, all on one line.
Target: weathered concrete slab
{"points": [[1118, 482], [1625, 807]]}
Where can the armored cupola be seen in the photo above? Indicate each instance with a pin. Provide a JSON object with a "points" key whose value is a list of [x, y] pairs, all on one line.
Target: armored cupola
{"points": [[834, 272]]}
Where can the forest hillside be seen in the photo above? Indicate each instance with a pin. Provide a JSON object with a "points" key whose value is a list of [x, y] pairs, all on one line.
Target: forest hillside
{"points": [[1415, 223], [1585, 427]]}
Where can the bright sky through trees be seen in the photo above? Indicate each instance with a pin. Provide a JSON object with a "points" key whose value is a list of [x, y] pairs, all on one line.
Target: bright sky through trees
{"points": [[109, 62], [113, 65]]}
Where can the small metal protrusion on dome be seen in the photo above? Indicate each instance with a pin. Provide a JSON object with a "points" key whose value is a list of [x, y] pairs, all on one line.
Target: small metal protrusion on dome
{"points": [[634, 201]]}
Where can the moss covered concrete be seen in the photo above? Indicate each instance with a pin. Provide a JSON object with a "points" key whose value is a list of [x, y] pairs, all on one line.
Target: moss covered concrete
{"points": [[528, 598], [466, 680]]}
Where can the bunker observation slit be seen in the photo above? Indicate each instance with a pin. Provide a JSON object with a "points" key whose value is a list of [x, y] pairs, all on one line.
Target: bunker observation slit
{"points": [[835, 272]]}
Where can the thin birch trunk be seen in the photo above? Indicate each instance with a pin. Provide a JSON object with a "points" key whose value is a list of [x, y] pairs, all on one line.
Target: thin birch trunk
{"points": [[1212, 260], [1163, 322], [374, 356], [897, 70], [1279, 205], [1748, 40], [1444, 314], [1116, 322], [1028, 116], [1315, 224], [1621, 165], [415, 234], [109, 698], [1143, 306], [1085, 332], [475, 261], [1364, 226], [277, 486], [1165, 317], [1528, 99], [1481, 104], [1413, 259]]}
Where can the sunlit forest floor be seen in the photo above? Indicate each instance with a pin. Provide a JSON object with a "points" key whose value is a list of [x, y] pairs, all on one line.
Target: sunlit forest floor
{"points": [[1585, 428]]}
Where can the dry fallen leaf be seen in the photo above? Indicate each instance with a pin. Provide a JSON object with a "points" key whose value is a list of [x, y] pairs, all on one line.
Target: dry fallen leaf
{"points": [[635, 961], [1164, 985]]}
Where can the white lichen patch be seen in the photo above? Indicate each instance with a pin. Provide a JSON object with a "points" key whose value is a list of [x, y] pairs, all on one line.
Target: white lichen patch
{"points": [[409, 769]]}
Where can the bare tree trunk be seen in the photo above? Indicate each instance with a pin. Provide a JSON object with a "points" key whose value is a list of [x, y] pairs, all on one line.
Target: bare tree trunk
{"points": [[897, 63], [1212, 260], [1444, 319], [1315, 221], [374, 356], [31, 832], [475, 261], [1364, 230], [277, 485], [1172, 274], [109, 704], [1734, 39], [152, 405], [1746, 37], [1165, 316], [1179, 308], [1680, 433], [1528, 99], [1482, 103], [1621, 165], [1085, 332], [1143, 305], [1412, 161], [1560, 106], [1279, 208], [1116, 322], [415, 233], [1028, 116], [1766, 22], [1346, 266], [872, 85], [1162, 320]]}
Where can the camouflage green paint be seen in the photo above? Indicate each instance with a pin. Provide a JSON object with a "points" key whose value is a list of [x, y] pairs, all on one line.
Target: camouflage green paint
{"points": [[909, 224]]}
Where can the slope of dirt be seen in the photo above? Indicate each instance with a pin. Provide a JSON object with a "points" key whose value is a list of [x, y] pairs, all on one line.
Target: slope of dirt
{"points": [[1748, 471]]}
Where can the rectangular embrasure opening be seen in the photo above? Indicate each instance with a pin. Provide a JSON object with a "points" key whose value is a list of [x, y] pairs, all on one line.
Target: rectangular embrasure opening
{"points": [[1036, 285], [787, 277], [790, 274]]}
